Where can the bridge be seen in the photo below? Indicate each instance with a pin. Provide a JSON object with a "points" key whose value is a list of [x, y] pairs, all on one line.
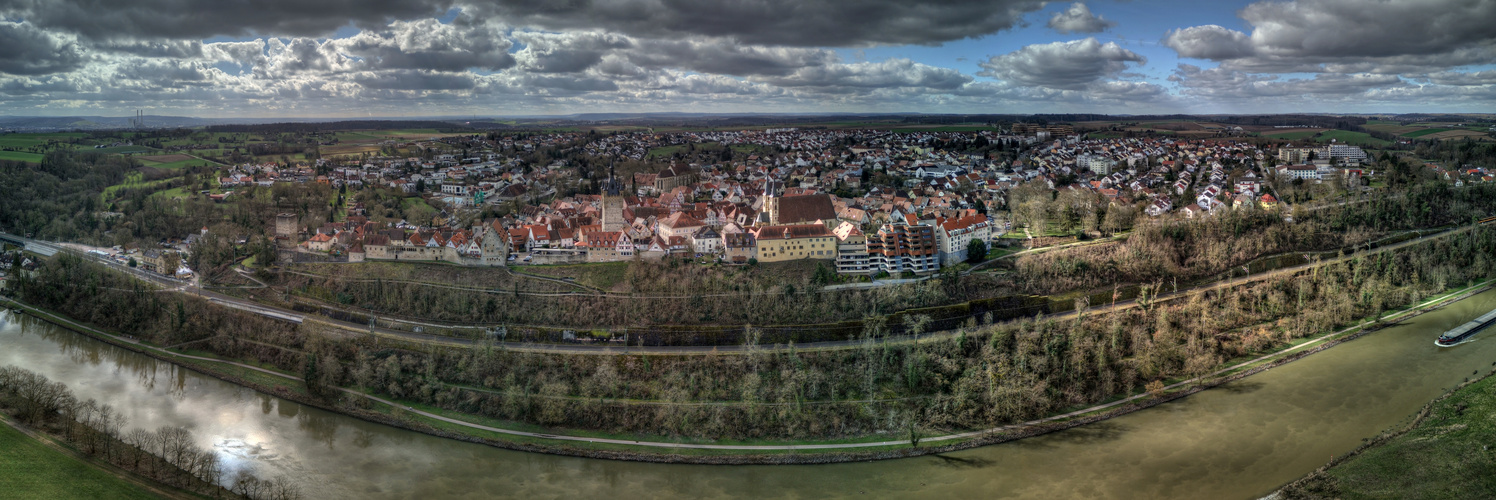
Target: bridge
{"points": [[30, 246]]}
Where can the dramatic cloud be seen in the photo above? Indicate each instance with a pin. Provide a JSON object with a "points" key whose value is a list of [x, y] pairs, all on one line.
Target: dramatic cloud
{"points": [[31, 51], [1061, 65], [1209, 42], [566, 52], [772, 22], [1344, 36], [428, 44], [199, 19], [1078, 19], [725, 57], [373, 57]]}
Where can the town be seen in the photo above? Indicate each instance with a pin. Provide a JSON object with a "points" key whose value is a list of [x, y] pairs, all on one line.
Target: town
{"points": [[873, 203]]}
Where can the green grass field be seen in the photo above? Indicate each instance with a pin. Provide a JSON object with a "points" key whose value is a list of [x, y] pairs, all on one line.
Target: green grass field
{"points": [[20, 156], [30, 469], [1352, 138], [1427, 131], [132, 180], [942, 128], [29, 140], [1292, 136], [1445, 457], [176, 192], [123, 149], [176, 164], [413, 202]]}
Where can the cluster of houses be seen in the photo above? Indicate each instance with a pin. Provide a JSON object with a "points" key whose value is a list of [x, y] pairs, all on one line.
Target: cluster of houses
{"points": [[806, 194]]}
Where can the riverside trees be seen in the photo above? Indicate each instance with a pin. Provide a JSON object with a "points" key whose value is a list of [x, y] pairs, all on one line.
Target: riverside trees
{"points": [[167, 454]]}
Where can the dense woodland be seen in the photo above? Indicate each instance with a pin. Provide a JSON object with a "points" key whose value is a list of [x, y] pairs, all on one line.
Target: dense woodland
{"points": [[673, 292]]}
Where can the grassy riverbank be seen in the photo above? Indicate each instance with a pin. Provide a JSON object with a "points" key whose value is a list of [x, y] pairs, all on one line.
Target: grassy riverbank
{"points": [[1448, 452], [30, 469]]}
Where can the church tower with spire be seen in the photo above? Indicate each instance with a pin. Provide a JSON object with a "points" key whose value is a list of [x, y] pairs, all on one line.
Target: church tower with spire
{"points": [[613, 203], [769, 211]]}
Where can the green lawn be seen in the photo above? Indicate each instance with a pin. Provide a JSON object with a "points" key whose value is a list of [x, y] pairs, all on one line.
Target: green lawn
{"points": [[132, 180], [1352, 138], [944, 128], [413, 202], [1292, 136], [29, 140], [356, 137], [177, 164], [1427, 131], [123, 149], [1445, 457], [20, 156], [176, 192], [30, 469], [664, 151]]}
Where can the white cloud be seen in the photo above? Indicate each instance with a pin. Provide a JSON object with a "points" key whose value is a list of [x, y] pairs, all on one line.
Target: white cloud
{"points": [[1061, 65], [1078, 19]]}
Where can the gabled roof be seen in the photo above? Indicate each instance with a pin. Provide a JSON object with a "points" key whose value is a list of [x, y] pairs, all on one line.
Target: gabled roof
{"points": [[806, 208]]}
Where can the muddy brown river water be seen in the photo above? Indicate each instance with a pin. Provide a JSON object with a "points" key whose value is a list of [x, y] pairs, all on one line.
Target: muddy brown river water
{"points": [[1241, 440]]}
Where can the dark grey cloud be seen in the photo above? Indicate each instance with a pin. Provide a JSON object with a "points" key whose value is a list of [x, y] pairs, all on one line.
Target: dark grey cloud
{"points": [[1079, 19], [566, 52], [803, 23], [27, 50], [1343, 36], [198, 19], [179, 49], [1070, 65], [428, 44]]}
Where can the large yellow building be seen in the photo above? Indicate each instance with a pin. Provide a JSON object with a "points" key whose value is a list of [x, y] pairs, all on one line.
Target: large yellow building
{"points": [[782, 243]]}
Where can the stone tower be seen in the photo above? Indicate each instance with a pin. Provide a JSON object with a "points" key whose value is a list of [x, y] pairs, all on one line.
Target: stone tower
{"points": [[285, 227], [613, 203]]}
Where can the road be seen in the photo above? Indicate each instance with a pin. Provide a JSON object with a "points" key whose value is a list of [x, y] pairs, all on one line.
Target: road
{"points": [[284, 314]]}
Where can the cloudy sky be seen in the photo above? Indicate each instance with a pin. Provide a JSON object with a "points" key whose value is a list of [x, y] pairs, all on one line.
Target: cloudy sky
{"points": [[352, 58]]}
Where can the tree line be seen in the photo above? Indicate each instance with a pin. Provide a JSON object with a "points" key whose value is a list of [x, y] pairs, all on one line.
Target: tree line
{"points": [[169, 455]]}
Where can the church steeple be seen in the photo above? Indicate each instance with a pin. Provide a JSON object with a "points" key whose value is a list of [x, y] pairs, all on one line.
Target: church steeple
{"points": [[612, 187]]}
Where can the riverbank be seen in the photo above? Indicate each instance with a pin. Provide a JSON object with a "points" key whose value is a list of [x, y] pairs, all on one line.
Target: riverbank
{"points": [[464, 427], [1443, 452]]}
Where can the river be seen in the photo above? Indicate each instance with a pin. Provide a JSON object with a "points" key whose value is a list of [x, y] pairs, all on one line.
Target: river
{"points": [[1240, 440]]}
